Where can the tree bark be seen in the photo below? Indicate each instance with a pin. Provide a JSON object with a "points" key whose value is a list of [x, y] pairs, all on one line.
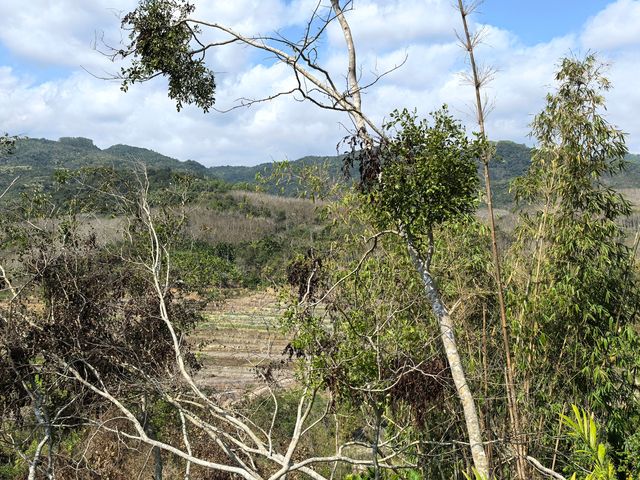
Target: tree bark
{"points": [[352, 77], [448, 338]]}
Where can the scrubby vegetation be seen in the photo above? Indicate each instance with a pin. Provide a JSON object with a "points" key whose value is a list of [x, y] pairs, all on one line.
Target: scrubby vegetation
{"points": [[389, 328]]}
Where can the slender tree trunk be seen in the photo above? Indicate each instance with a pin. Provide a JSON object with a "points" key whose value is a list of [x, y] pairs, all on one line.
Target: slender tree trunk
{"points": [[447, 335], [150, 431], [158, 464], [43, 420], [446, 326], [374, 449], [469, 44], [33, 465]]}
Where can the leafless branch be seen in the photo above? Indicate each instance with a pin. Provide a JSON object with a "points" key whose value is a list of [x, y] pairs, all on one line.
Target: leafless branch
{"points": [[9, 187], [542, 469]]}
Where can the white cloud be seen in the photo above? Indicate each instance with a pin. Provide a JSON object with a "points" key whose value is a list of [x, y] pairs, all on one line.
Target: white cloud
{"points": [[83, 106], [384, 25], [253, 17], [623, 100], [65, 32], [618, 25], [523, 77], [59, 33]]}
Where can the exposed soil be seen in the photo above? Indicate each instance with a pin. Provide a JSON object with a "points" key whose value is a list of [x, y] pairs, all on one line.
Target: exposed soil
{"points": [[240, 339]]}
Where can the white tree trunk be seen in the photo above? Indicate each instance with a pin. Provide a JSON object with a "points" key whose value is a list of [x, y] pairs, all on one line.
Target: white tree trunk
{"points": [[447, 335]]}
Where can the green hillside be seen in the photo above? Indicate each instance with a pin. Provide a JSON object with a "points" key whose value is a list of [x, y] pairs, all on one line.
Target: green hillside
{"points": [[240, 174], [35, 161], [512, 160]]}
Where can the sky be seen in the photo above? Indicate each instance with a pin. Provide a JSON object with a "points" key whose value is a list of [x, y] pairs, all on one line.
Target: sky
{"points": [[51, 64]]}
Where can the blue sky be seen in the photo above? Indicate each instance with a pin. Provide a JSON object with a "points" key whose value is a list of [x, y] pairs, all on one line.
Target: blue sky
{"points": [[45, 92], [536, 21], [40, 71]]}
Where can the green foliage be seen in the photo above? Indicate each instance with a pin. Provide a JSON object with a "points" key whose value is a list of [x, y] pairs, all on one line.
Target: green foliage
{"points": [[70, 441], [319, 440], [7, 143], [262, 260], [475, 475], [78, 142], [372, 341], [429, 174], [84, 189], [359, 339], [631, 458], [36, 161], [400, 474], [14, 470], [315, 178], [589, 453], [79, 302], [200, 266], [576, 146], [160, 38], [510, 161], [343, 358], [575, 293]]}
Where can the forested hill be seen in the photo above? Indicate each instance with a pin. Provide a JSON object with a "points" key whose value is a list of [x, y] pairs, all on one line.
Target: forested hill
{"points": [[511, 160], [35, 160]]}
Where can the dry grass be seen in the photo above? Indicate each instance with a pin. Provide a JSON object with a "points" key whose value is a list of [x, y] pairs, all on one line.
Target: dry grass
{"points": [[213, 227], [296, 208]]}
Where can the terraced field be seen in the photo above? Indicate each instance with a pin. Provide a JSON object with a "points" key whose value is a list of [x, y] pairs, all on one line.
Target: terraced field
{"points": [[239, 338]]}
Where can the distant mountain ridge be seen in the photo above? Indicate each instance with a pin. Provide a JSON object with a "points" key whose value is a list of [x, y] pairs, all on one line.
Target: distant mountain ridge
{"points": [[35, 161], [77, 152], [38, 158]]}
